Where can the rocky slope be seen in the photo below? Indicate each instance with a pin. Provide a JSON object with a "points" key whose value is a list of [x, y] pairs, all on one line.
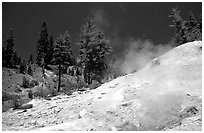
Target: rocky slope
{"points": [[165, 95]]}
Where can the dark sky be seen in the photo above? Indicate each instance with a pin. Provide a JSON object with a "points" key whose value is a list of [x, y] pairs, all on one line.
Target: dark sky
{"points": [[118, 20]]}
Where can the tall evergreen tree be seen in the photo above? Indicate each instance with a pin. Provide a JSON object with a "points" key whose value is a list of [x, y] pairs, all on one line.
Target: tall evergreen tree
{"points": [[8, 52], [93, 48], [19, 60], [190, 28], [30, 69], [185, 30], [199, 27], [15, 58], [177, 25], [62, 53], [42, 45], [50, 50], [23, 67], [30, 59]]}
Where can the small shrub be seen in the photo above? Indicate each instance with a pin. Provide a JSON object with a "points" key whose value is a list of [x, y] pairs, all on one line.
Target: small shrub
{"points": [[36, 83], [16, 103], [25, 83], [30, 70], [94, 85], [71, 83], [29, 83], [30, 94], [42, 91], [9, 96], [10, 100], [23, 68]]}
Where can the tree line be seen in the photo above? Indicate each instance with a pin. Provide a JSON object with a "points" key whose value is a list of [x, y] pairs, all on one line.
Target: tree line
{"points": [[185, 30], [93, 46]]}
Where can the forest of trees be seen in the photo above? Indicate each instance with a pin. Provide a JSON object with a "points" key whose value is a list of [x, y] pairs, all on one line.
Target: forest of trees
{"points": [[185, 30], [93, 47]]}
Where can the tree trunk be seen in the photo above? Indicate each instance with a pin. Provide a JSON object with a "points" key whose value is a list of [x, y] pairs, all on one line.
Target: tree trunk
{"points": [[59, 82], [89, 77]]}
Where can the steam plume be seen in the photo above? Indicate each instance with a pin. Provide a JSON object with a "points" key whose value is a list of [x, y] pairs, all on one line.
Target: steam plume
{"points": [[138, 54]]}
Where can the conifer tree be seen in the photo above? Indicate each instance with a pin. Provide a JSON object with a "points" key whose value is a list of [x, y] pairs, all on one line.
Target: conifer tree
{"points": [[15, 59], [185, 30], [177, 25], [42, 45], [93, 48], [199, 27], [30, 70], [62, 53], [8, 52], [19, 60], [23, 67], [50, 50]]}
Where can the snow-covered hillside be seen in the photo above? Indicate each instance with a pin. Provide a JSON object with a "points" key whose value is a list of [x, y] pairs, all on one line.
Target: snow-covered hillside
{"points": [[165, 95]]}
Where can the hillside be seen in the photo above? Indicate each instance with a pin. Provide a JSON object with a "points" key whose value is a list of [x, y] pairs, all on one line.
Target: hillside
{"points": [[165, 95]]}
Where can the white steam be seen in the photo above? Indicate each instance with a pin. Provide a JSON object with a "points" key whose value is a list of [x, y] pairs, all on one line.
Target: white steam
{"points": [[138, 54], [101, 21]]}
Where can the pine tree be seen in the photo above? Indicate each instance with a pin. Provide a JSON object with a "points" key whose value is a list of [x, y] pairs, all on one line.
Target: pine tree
{"points": [[50, 50], [177, 24], [15, 59], [31, 59], [190, 28], [185, 30], [23, 67], [62, 53], [199, 27], [19, 60], [93, 48], [100, 51], [42, 45], [8, 52], [30, 70]]}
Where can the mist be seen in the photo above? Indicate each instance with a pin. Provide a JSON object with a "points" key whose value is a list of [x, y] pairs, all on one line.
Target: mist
{"points": [[131, 54], [137, 54]]}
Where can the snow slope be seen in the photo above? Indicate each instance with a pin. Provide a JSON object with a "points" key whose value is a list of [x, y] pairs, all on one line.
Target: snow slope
{"points": [[165, 95]]}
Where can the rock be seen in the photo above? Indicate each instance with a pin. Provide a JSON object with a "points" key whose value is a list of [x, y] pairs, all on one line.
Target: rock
{"points": [[103, 93], [75, 93], [17, 88], [72, 117], [57, 110], [188, 111], [82, 113], [41, 123], [52, 107], [25, 106], [125, 126], [56, 98], [33, 122], [82, 89], [10, 110], [47, 98], [128, 103], [155, 62], [54, 121], [19, 112], [21, 124]]}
